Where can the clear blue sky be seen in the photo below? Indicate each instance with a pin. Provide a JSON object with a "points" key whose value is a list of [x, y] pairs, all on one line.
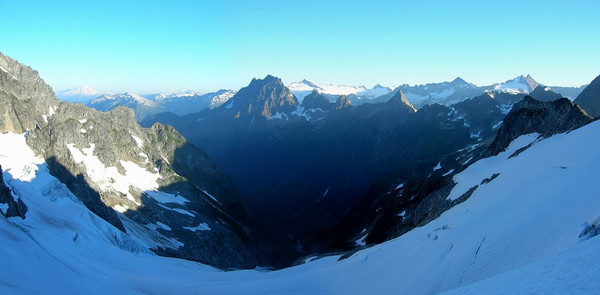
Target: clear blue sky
{"points": [[148, 46]]}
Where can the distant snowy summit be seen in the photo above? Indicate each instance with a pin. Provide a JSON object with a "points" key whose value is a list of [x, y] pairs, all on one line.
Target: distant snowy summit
{"points": [[82, 94], [173, 94], [305, 87], [180, 102], [519, 84]]}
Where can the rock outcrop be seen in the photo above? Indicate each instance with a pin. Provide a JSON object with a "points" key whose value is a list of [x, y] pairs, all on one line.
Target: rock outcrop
{"points": [[10, 207], [315, 100], [25, 100], [534, 116]]}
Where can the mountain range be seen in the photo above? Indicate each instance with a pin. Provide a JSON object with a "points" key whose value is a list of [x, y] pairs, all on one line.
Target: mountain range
{"points": [[445, 93], [184, 101], [326, 155], [180, 102], [493, 192]]}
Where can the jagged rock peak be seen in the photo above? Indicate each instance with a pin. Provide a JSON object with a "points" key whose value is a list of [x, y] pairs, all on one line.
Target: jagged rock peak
{"points": [[26, 101], [263, 97], [266, 80], [530, 115], [459, 80], [531, 82], [400, 100], [343, 102], [589, 98]]}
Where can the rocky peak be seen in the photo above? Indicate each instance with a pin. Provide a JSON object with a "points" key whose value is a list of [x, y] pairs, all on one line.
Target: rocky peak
{"points": [[530, 115], [589, 98], [399, 101], [343, 102], [310, 83], [544, 94], [263, 97], [460, 82], [315, 100], [530, 81], [26, 101]]}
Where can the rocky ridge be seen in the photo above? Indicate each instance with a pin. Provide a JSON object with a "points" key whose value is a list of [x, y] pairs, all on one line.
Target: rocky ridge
{"points": [[534, 116], [148, 182]]}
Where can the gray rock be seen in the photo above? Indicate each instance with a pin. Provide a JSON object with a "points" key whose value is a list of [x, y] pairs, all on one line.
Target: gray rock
{"points": [[533, 116], [15, 208], [24, 97]]}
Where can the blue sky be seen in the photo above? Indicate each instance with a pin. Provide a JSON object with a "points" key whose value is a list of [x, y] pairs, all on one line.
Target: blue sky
{"points": [[150, 46]]}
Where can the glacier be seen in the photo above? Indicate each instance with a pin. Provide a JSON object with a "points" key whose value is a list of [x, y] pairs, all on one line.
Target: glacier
{"points": [[517, 233]]}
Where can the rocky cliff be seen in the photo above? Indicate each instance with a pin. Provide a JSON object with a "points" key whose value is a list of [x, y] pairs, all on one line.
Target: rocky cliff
{"points": [[534, 116]]}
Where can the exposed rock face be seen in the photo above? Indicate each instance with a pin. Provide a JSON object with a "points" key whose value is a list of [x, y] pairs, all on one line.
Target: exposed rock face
{"points": [[315, 100], [589, 98], [13, 208], [263, 98], [400, 102], [25, 100], [150, 183], [533, 116], [343, 102]]}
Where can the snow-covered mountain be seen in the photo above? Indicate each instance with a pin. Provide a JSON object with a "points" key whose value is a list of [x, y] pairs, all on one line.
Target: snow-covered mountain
{"points": [[186, 101], [172, 94], [305, 87], [445, 93], [181, 102], [520, 84], [357, 94], [82, 94], [142, 106]]}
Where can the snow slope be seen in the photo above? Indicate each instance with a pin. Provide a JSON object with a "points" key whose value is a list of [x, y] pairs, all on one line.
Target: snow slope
{"points": [[519, 84], [516, 226], [574, 271]]}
